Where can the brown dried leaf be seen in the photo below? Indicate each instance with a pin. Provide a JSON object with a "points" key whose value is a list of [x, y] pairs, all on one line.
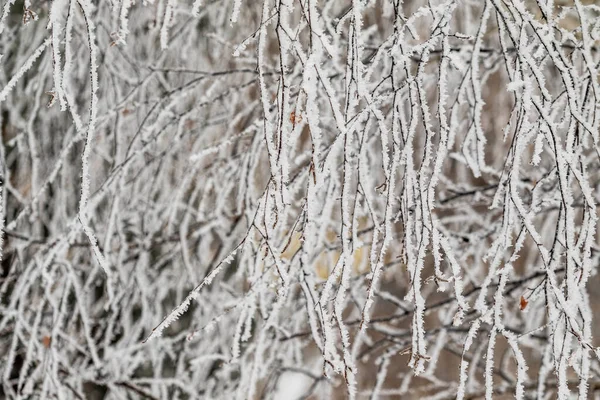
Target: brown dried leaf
{"points": [[523, 303]]}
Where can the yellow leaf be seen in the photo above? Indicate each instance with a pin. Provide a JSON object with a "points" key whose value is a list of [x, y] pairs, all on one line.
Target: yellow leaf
{"points": [[293, 246]]}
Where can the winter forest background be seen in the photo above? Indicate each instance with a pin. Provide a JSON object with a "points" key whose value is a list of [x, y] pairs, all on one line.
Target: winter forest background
{"points": [[299, 199]]}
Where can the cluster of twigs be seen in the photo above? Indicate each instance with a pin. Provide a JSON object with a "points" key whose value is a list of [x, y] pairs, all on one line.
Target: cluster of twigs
{"points": [[362, 198]]}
